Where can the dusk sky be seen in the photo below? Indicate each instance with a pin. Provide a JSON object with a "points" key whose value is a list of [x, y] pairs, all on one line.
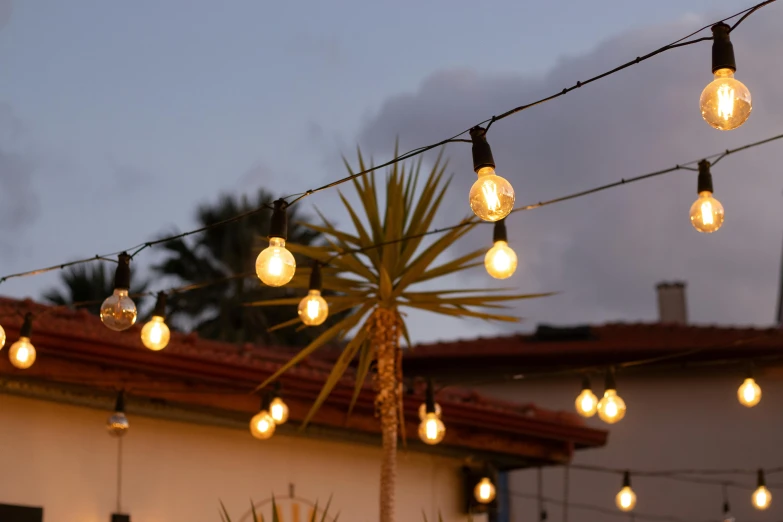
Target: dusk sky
{"points": [[118, 119]]}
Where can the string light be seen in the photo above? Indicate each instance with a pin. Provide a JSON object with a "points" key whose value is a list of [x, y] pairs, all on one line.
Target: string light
{"points": [[706, 212], [262, 425], [484, 491], [725, 102], [22, 352], [156, 334], [491, 197], [275, 265], [117, 424], [761, 496], [2, 337], [611, 407], [118, 311], [626, 498], [749, 393], [586, 402], [431, 430], [501, 260], [313, 309], [278, 409]]}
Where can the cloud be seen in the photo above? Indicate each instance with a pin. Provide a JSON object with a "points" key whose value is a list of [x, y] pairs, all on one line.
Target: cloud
{"points": [[18, 199], [605, 252]]}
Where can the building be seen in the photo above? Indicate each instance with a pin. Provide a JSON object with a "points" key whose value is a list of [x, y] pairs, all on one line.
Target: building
{"points": [[188, 447], [679, 383]]}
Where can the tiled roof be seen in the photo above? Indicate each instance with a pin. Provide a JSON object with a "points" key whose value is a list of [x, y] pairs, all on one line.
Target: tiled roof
{"points": [[74, 348], [553, 347]]}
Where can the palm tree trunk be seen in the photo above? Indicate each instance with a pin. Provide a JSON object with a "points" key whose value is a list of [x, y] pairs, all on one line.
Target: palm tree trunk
{"points": [[386, 340]]}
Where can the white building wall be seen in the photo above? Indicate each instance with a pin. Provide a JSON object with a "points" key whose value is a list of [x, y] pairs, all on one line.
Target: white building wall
{"points": [[673, 421], [60, 457]]}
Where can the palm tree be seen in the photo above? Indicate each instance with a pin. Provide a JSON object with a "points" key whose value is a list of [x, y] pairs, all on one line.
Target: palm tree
{"points": [[224, 253], [88, 283], [374, 283]]}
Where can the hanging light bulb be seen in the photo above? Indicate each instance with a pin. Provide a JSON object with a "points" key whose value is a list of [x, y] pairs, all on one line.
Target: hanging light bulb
{"points": [[275, 265], [725, 102], [22, 352], [626, 498], [706, 212], [117, 424], [431, 429], [423, 411], [278, 409], [262, 425], [491, 197], [501, 260], [761, 496], [313, 309], [749, 393], [611, 407], [586, 402], [155, 335], [484, 491], [118, 311], [2, 337]]}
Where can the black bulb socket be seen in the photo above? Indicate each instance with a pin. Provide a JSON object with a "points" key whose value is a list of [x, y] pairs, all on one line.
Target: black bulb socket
{"points": [[610, 383], [704, 183], [499, 233], [316, 281], [429, 400], [482, 153], [122, 275], [119, 405], [586, 383], [627, 479], [266, 401], [276, 387], [27, 326], [278, 227], [761, 481], [722, 48], [160, 305]]}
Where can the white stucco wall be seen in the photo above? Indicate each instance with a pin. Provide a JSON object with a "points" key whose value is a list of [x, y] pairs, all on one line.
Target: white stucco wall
{"points": [[673, 421], [60, 457]]}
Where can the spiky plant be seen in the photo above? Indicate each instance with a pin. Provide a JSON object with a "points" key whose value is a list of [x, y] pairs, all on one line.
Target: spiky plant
{"points": [[374, 284]]}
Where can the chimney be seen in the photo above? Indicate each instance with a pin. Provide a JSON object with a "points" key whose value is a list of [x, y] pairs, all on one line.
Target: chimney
{"points": [[671, 303]]}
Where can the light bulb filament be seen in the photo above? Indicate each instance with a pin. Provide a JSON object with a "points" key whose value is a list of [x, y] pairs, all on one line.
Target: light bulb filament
{"points": [[706, 213], [490, 190], [432, 429], [22, 354], [276, 264], [484, 491], [313, 308], [725, 101]]}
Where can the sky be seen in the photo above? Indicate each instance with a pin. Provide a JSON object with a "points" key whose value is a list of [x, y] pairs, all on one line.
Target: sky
{"points": [[118, 119]]}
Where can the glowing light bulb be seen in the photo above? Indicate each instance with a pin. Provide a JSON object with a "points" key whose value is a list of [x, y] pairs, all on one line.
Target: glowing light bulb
{"points": [[275, 265], [278, 410], [625, 499], [491, 197], [2, 337], [484, 491], [500, 261], [262, 425], [761, 498], [611, 408], [117, 424], [22, 353], [725, 102], [155, 335], [749, 393], [423, 411], [586, 403], [706, 213], [118, 311], [313, 309], [431, 429]]}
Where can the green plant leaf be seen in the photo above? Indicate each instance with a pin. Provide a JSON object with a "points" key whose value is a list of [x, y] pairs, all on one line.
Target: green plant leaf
{"points": [[315, 512], [326, 509], [275, 514], [366, 356], [224, 512], [253, 512]]}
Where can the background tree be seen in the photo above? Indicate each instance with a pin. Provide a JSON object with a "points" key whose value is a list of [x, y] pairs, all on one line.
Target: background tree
{"points": [[373, 285], [92, 282], [218, 311]]}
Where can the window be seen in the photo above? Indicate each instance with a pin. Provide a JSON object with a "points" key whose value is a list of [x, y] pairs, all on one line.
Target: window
{"points": [[10, 513]]}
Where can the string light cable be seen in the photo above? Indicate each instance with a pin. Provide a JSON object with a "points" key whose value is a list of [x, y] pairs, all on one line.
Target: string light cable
{"points": [[684, 41]]}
